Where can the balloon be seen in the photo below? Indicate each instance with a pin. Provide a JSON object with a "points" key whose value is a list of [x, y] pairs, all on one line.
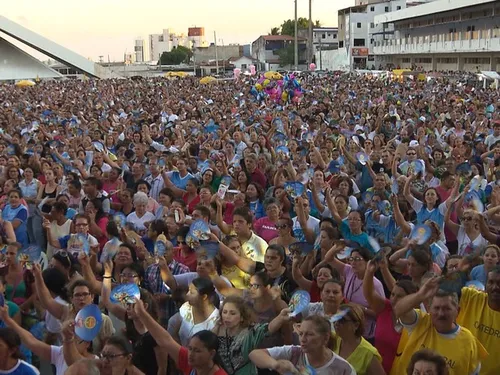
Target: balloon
{"points": [[312, 67], [254, 91], [252, 70], [266, 82], [279, 83], [284, 96], [291, 93], [237, 73], [258, 86], [298, 93]]}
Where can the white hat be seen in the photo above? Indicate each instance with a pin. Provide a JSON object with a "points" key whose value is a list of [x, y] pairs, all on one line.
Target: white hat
{"points": [[414, 144], [358, 127]]}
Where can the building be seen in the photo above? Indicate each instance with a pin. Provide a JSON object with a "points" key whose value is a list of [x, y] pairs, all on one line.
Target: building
{"points": [[17, 64], [444, 35], [324, 39], [165, 42], [139, 50], [206, 54], [243, 62], [265, 51], [357, 31], [196, 35]]}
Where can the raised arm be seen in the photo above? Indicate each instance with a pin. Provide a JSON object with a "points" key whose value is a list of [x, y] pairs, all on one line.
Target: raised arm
{"points": [[451, 225], [219, 219], [70, 351], [297, 275], [404, 309], [244, 264], [406, 191], [116, 309], [50, 304], [160, 334], [38, 347], [398, 216], [375, 301], [332, 207], [88, 274]]}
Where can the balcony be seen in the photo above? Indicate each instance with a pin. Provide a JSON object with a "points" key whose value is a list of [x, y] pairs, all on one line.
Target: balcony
{"points": [[458, 42]]}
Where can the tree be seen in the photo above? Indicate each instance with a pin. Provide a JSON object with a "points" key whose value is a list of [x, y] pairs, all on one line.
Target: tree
{"points": [[275, 31], [288, 26], [317, 23], [287, 55], [177, 56], [187, 51]]}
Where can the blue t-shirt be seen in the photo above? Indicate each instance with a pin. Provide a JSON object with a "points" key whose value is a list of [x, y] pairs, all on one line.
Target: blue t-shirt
{"points": [[257, 209], [479, 273], [178, 181], [22, 368], [361, 239], [20, 213]]}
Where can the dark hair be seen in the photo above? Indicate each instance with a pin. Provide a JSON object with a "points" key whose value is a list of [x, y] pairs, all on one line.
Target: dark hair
{"points": [[77, 283], [365, 253], [112, 229], [327, 220], [55, 281], [269, 201], [455, 256], [158, 226], [263, 277], [260, 191], [60, 207], [168, 192], [142, 182], [12, 340], [17, 191], [330, 232], [407, 285], [137, 268], [279, 249], [211, 342], [428, 356], [422, 257], [356, 315], [120, 342], [152, 309], [93, 181], [350, 191], [97, 203], [245, 213], [76, 184], [205, 287], [438, 200], [334, 280], [205, 211], [132, 250]]}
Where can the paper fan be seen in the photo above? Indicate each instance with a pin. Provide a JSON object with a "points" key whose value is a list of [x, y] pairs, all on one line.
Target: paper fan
{"points": [[200, 230], [302, 248], [208, 249], [385, 208], [476, 284], [299, 302], [340, 315], [125, 294], [294, 189], [362, 158], [88, 323], [98, 146], [421, 233]]}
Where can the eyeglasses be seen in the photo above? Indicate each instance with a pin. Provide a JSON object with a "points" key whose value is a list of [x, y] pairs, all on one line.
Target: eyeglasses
{"points": [[81, 295], [411, 153], [128, 275], [281, 226], [111, 356], [254, 286], [355, 259]]}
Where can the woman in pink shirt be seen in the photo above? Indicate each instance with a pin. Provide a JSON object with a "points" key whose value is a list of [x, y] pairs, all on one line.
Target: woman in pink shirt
{"points": [[387, 329], [265, 227]]}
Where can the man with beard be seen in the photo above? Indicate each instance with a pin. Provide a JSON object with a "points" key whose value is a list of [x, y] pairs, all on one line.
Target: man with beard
{"points": [[480, 313]]}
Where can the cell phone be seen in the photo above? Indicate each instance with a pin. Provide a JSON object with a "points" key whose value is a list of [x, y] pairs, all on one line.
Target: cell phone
{"points": [[177, 216]]}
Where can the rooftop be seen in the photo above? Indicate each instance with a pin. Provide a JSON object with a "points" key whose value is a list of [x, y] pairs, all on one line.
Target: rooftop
{"points": [[280, 37], [434, 7]]}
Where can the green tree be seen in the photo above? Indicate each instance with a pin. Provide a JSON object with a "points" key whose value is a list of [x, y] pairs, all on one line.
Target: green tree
{"points": [[288, 26], [287, 55], [187, 51], [177, 56], [275, 31], [317, 23]]}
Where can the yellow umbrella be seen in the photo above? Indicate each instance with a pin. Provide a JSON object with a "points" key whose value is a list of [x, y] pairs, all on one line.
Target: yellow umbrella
{"points": [[25, 83], [207, 80], [176, 74], [272, 75]]}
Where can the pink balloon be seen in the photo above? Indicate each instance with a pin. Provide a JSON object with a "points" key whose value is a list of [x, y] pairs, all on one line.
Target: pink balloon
{"points": [[312, 67], [252, 70], [237, 73]]}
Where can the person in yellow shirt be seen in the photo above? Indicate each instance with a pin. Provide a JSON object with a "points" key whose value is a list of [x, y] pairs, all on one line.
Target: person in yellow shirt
{"points": [[438, 331], [480, 313]]}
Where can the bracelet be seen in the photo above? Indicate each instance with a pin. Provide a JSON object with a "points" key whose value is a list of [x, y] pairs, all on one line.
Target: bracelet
{"points": [[107, 277]]}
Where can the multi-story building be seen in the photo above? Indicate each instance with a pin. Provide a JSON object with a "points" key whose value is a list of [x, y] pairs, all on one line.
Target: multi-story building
{"points": [[324, 39], [165, 42], [265, 50], [358, 30], [139, 50], [444, 35], [210, 53]]}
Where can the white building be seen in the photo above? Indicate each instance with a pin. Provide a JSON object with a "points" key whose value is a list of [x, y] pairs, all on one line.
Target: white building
{"points": [[357, 31], [266, 48], [243, 62], [324, 39], [444, 35], [168, 40], [139, 50], [196, 36]]}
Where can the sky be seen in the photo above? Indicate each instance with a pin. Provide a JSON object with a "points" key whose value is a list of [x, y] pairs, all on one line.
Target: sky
{"points": [[96, 28]]}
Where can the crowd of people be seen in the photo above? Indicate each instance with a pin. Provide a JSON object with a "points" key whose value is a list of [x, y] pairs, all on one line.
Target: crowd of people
{"points": [[380, 198]]}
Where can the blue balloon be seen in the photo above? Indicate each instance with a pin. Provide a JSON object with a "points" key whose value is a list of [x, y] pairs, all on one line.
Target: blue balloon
{"points": [[88, 322]]}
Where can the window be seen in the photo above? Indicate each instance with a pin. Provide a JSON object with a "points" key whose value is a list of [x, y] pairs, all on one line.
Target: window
{"points": [[406, 60], [160, 38], [359, 42], [334, 36], [243, 66], [386, 9], [471, 28], [453, 30], [372, 9], [398, 7], [323, 36], [341, 44], [358, 25], [372, 25], [372, 41], [329, 35]]}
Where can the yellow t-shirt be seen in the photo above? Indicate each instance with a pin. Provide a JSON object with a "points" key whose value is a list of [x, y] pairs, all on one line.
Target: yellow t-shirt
{"points": [[238, 278], [361, 357], [462, 351], [484, 323]]}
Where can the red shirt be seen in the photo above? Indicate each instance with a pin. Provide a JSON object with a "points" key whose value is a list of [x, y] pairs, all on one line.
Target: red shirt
{"points": [[315, 292], [183, 365], [386, 337], [191, 205], [258, 177], [189, 261]]}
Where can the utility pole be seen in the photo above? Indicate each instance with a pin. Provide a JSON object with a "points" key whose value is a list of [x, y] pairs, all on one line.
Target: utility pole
{"points": [[296, 41], [320, 53], [216, 55], [310, 33]]}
